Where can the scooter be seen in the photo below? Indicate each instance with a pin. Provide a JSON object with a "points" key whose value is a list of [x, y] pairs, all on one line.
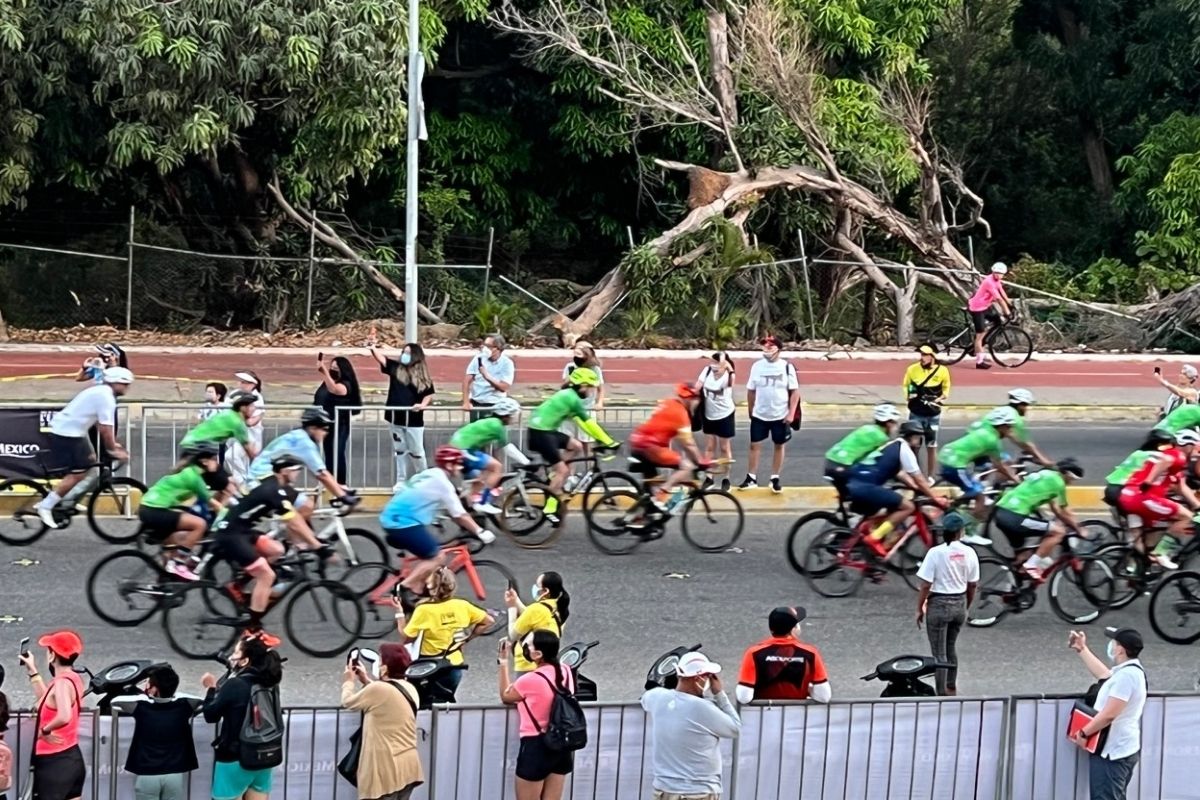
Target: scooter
{"points": [[574, 657], [119, 680], [662, 672], [903, 674]]}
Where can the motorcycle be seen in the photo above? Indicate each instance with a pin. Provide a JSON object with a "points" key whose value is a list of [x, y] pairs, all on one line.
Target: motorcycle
{"points": [[119, 680], [574, 656], [903, 674], [662, 672]]}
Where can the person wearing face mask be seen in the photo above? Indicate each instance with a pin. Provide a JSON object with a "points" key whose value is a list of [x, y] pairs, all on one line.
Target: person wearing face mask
{"points": [[1120, 696], [781, 667], [214, 400], [410, 392], [687, 726], [584, 355], [58, 767], [717, 418], [162, 750], [490, 375], [548, 610], [389, 767], [340, 397], [773, 398], [238, 459]]}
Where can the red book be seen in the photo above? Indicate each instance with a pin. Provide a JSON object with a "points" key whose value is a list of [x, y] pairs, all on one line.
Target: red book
{"points": [[1081, 715]]}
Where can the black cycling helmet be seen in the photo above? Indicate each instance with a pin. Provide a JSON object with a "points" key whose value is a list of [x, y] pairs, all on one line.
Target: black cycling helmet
{"points": [[239, 400], [201, 450], [1070, 465], [315, 418], [911, 428], [285, 462]]}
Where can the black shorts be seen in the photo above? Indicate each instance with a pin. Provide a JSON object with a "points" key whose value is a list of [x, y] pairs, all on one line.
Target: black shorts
{"points": [[547, 444], [721, 428], [239, 546], [869, 498], [779, 430], [536, 762], [979, 320], [159, 523], [1020, 529], [1111, 492], [838, 475], [59, 776], [70, 453]]}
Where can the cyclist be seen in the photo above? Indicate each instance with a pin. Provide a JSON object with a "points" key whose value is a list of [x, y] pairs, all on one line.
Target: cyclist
{"points": [[1183, 418], [959, 457], [475, 437], [1017, 513], [990, 292], [222, 426], [160, 510], [1145, 494], [545, 438], [650, 442], [859, 443], [407, 516], [1115, 482], [95, 406], [867, 483], [239, 541], [1019, 400]]}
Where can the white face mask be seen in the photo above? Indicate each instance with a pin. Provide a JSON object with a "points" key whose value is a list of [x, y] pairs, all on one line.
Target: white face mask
{"points": [[1112, 650], [485, 351]]}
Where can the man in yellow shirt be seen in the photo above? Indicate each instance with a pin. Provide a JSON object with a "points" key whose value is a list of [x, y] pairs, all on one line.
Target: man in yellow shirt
{"points": [[927, 387]]}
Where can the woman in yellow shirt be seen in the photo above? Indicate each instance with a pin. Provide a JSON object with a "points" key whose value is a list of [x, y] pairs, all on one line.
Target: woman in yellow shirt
{"points": [[445, 624], [548, 612]]}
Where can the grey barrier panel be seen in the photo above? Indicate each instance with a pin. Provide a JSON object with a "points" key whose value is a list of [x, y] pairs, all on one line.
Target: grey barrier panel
{"points": [[94, 733]]}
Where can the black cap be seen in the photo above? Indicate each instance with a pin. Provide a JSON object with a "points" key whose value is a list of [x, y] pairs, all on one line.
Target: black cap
{"points": [[783, 619], [1128, 638]]}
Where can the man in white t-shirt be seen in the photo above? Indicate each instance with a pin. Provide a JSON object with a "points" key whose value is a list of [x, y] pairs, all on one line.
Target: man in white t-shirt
{"points": [[490, 376], [949, 574], [773, 397], [70, 449]]}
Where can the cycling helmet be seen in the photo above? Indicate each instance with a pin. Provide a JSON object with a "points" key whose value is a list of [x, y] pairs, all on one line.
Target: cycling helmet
{"points": [[446, 454], [285, 462], [911, 428], [1188, 437], [315, 418], [506, 407], [239, 399], [201, 450], [1021, 397], [1070, 465], [118, 375], [583, 376], [886, 412], [999, 268], [1004, 415], [685, 391], [109, 350]]}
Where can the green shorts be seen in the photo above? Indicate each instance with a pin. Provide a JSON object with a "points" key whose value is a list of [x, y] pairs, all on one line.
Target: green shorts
{"points": [[230, 781]]}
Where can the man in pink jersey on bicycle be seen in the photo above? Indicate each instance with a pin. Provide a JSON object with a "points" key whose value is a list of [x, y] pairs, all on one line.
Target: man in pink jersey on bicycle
{"points": [[990, 292]]}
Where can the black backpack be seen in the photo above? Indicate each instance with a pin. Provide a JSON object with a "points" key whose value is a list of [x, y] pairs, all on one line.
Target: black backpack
{"points": [[260, 740], [566, 730]]}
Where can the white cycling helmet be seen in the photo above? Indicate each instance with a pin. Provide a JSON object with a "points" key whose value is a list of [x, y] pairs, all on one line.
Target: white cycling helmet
{"points": [[1004, 415], [506, 407], [1021, 397], [1000, 268], [118, 375], [886, 412], [1188, 437]]}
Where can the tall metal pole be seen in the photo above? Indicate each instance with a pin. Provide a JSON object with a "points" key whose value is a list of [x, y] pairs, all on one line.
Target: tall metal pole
{"points": [[812, 323], [410, 192], [129, 275], [312, 251]]}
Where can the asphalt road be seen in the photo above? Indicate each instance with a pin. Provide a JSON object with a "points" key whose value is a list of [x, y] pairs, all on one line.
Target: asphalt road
{"points": [[637, 606]]}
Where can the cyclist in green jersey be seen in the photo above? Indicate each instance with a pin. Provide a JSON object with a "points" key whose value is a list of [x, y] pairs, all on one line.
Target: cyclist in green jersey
{"points": [[545, 438], [218, 429], [960, 456], [1017, 514], [162, 510], [1020, 400], [858, 444], [475, 438], [1180, 419]]}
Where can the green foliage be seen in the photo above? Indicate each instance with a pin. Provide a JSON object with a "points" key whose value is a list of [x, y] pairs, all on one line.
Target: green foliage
{"points": [[727, 330], [494, 315]]}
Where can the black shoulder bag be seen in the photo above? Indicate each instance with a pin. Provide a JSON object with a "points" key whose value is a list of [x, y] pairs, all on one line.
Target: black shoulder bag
{"points": [[1088, 706], [348, 766], [918, 405], [698, 413]]}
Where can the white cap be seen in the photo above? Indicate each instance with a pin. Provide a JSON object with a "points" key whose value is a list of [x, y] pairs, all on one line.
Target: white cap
{"points": [[1000, 268], [246, 377], [118, 375], [694, 664], [1189, 370]]}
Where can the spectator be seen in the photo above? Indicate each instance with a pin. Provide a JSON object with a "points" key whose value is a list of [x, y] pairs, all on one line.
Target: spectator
{"points": [[1120, 698], [58, 767], [773, 397], [237, 461], [687, 725], [1183, 392], [541, 772], [548, 611], [108, 355], [584, 355], [927, 387], [409, 387], [717, 418], [6, 756], [389, 767], [780, 667], [162, 750], [949, 574], [444, 624], [489, 377], [251, 662], [340, 397], [214, 400]]}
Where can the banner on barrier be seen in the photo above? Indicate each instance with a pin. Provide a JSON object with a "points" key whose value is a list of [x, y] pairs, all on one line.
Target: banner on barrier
{"points": [[24, 435]]}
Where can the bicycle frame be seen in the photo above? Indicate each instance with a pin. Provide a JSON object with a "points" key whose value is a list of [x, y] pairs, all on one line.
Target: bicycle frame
{"points": [[459, 560], [918, 526]]}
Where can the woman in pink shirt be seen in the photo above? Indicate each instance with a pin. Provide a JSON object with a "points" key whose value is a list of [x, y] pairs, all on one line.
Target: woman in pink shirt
{"points": [[541, 772], [990, 291], [58, 767]]}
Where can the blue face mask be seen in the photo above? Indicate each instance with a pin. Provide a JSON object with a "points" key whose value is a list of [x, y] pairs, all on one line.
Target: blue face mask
{"points": [[536, 593], [405, 359]]}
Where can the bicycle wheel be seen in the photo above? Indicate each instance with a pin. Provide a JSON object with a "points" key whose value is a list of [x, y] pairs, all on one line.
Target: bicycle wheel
{"points": [[953, 341], [835, 563], [712, 521], [1175, 608], [608, 524], [379, 615], [1131, 570], [522, 516], [1010, 346], [601, 484], [804, 531], [997, 584], [1101, 534], [323, 619], [487, 581], [909, 559], [112, 509], [361, 547], [1081, 589], [125, 588], [23, 526], [201, 620]]}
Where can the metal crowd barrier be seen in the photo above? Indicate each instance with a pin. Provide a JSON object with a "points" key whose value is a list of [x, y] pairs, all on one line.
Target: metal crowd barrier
{"points": [[934, 748]]}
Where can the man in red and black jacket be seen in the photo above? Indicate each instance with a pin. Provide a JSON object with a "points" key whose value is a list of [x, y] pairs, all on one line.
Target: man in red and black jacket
{"points": [[782, 667]]}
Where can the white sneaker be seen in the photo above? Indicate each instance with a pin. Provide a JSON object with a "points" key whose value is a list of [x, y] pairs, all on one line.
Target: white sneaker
{"points": [[181, 571], [976, 539], [486, 508], [486, 536], [46, 515], [1164, 561]]}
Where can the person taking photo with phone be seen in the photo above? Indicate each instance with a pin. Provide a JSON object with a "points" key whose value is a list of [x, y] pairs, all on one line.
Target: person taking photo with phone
{"points": [[389, 767], [58, 766]]}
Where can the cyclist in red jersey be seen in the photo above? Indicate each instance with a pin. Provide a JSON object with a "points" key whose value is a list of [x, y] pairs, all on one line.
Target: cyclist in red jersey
{"points": [[1145, 493], [651, 441]]}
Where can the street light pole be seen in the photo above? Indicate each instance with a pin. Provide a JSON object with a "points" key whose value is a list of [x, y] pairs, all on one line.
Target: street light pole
{"points": [[410, 192]]}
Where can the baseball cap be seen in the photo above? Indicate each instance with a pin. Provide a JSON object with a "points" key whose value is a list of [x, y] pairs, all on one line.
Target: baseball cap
{"points": [[64, 643], [1128, 638], [771, 340], [694, 664], [953, 521], [926, 350], [118, 375], [786, 618]]}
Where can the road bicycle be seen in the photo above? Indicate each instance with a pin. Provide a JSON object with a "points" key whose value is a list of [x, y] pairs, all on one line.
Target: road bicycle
{"points": [[1135, 573], [479, 580], [111, 505], [1175, 607], [1010, 345], [710, 519]]}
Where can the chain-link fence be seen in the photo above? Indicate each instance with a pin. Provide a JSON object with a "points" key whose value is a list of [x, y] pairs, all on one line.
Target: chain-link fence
{"points": [[42, 288]]}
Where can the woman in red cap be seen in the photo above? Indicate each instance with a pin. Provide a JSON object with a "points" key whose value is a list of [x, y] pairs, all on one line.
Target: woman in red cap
{"points": [[58, 766]]}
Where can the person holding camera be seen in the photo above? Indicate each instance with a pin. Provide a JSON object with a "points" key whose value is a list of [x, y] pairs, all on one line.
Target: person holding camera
{"points": [[389, 767]]}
